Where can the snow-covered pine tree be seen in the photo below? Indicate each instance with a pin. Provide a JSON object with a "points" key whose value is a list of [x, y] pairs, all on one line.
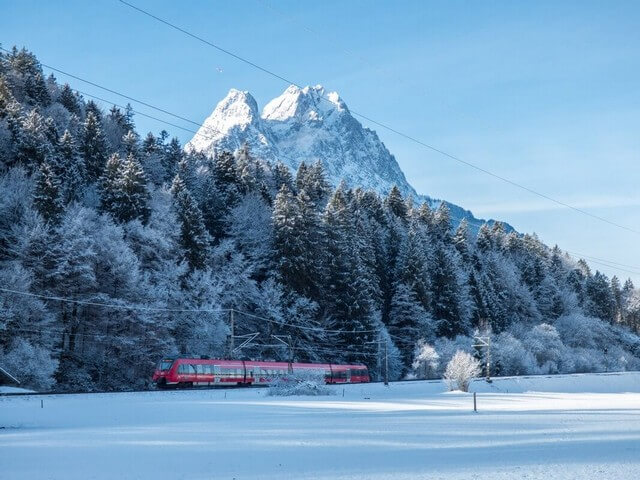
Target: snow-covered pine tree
{"points": [[282, 176], [194, 238], [93, 146], [395, 203], [130, 142], [600, 301], [345, 297], [47, 195], [69, 100], [72, 167], [408, 321], [132, 196], [171, 158], [33, 144], [109, 191], [448, 295]]}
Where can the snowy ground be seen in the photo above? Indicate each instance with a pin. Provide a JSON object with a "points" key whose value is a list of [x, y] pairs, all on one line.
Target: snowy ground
{"points": [[583, 426]]}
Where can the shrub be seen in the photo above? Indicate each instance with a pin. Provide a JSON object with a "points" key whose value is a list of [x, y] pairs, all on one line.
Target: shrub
{"points": [[461, 370], [308, 382]]}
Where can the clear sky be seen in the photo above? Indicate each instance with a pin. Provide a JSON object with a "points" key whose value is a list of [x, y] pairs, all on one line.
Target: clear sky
{"points": [[544, 93]]}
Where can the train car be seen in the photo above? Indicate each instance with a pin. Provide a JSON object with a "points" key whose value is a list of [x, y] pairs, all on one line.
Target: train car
{"points": [[189, 372]]}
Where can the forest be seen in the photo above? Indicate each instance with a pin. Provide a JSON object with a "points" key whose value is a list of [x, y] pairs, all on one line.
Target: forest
{"points": [[118, 249]]}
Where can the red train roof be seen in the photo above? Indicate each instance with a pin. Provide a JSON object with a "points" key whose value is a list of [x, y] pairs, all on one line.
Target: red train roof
{"points": [[251, 363]]}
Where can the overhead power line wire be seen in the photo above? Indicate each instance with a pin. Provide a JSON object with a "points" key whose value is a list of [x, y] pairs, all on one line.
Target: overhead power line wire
{"points": [[177, 310], [576, 254], [383, 125]]}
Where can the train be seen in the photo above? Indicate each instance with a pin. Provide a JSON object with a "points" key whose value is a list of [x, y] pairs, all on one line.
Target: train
{"points": [[201, 372]]}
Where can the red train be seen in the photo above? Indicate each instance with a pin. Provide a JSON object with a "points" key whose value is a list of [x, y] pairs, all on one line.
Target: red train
{"points": [[187, 372]]}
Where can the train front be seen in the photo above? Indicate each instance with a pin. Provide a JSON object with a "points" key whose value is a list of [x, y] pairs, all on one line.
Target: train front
{"points": [[162, 372]]}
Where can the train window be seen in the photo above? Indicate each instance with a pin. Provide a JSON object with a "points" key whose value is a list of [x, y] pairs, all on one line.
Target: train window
{"points": [[165, 364], [200, 369], [182, 369], [191, 369]]}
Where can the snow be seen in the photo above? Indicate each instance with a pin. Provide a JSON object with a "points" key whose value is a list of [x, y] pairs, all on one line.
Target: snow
{"points": [[573, 426], [5, 389]]}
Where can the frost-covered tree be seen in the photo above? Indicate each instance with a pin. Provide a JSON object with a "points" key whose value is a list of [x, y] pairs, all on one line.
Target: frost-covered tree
{"points": [[425, 360], [93, 146], [47, 195], [461, 369], [194, 238], [71, 167]]}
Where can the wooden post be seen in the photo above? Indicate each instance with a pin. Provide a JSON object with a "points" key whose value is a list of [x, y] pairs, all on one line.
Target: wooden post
{"points": [[475, 405]]}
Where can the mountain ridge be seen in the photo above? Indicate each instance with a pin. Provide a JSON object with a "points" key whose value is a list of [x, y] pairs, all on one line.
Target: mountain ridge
{"points": [[309, 124]]}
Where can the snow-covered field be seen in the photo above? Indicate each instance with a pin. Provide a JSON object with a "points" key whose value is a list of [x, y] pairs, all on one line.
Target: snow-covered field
{"points": [[571, 426]]}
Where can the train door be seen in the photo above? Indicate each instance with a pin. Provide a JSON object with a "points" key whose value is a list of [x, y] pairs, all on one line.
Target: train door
{"points": [[348, 375]]}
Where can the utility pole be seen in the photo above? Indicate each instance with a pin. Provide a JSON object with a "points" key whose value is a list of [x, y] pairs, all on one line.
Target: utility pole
{"points": [[232, 335], [485, 342], [289, 344], [386, 364], [488, 358]]}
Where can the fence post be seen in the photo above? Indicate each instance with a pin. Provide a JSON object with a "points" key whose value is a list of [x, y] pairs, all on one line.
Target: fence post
{"points": [[475, 405]]}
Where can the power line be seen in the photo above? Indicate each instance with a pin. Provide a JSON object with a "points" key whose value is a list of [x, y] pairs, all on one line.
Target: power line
{"points": [[383, 125], [603, 260], [606, 263], [179, 310]]}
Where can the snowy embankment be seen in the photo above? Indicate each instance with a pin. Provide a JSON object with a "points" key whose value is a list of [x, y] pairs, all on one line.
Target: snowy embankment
{"points": [[570, 426], [14, 390]]}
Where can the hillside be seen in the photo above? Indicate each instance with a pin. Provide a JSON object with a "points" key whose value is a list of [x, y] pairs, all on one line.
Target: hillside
{"points": [[118, 249]]}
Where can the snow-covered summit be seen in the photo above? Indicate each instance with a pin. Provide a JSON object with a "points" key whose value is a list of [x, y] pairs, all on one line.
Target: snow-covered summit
{"points": [[303, 104], [308, 124], [235, 120]]}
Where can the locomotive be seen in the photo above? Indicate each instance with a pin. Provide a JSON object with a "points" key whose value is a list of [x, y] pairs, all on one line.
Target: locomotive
{"points": [[189, 372]]}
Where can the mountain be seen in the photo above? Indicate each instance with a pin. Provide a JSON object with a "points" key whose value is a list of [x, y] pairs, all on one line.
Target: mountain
{"points": [[309, 124]]}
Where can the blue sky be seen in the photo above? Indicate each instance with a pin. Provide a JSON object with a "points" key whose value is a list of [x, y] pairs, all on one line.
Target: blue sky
{"points": [[544, 93]]}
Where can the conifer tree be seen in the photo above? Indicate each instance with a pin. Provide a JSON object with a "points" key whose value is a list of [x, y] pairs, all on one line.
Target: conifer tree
{"points": [[93, 146], [47, 197], [297, 241], [600, 302], [396, 204], [442, 223], [282, 176], [149, 144], [446, 291], [33, 146], [461, 240], [130, 142], [483, 239], [345, 296], [171, 158], [109, 190], [194, 239], [407, 320], [68, 99], [132, 193], [6, 97], [288, 244], [72, 168]]}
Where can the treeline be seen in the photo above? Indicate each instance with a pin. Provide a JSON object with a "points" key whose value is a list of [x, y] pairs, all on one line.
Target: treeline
{"points": [[157, 246]]}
